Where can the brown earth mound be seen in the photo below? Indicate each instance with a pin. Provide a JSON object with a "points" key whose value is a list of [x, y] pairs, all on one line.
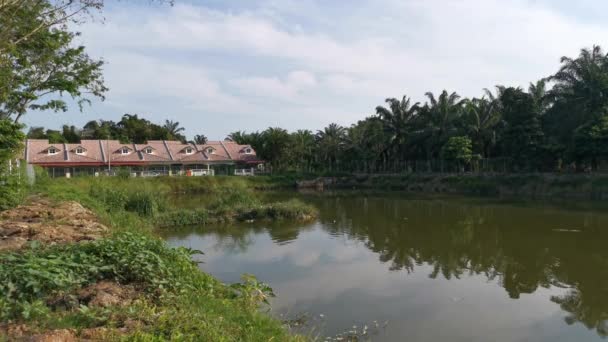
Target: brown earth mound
{"points": [[40, 220], [107, 293]]}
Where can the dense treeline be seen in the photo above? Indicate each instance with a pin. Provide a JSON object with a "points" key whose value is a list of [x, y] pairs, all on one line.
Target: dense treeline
{"points": [[558, 123], [130, 129]]}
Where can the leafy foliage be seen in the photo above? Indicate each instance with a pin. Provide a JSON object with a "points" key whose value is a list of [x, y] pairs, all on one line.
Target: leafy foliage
{"points": [[127, 257], [45, 62], [459, 149], [12, 181]]}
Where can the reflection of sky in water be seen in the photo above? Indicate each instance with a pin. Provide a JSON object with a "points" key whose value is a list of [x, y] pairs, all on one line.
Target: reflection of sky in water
{"points": [[319, 273]]}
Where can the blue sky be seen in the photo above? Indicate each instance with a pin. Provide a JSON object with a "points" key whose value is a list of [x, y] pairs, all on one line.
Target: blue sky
{"points": [[218, 66]]}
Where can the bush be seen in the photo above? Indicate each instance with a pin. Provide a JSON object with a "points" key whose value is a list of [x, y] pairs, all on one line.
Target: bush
{"points": [[183, 217], [39, 273], [13, 188], [112, 198], [291, 210], [231, 198], [143, 202]]}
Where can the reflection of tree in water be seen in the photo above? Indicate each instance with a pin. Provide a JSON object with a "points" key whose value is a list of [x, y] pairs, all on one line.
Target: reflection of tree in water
{"points": [[236, 238], [523, 248], [591, 314]]}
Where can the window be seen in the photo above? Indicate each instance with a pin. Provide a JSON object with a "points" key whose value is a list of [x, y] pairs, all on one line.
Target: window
{"points": [[248, 150], [148, 150], [188, 150], [52, 150], [79, 150], [209, 150], [124, 150]]}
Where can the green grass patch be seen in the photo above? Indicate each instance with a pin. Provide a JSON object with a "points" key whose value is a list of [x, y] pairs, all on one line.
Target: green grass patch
{"points": [[178, 301], [294, 209]]}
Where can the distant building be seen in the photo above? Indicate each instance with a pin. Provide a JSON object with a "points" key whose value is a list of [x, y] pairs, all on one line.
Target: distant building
{"points": [[157, 157]]}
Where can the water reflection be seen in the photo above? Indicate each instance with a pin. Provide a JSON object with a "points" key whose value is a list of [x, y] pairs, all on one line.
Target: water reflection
{"points": [[429, 262]]}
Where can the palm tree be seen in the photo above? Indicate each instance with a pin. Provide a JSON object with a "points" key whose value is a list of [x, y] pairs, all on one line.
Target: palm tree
{"points": [[398, 119], [173, 128], [331, 141], [239, 137], [539, 94], [273, 146], [582, 82], [482, 117], [439, 118], [302, 149], [200, 139]]}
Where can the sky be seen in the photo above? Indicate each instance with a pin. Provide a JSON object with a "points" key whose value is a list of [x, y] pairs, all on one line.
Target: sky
{"points": [[219, 66]]}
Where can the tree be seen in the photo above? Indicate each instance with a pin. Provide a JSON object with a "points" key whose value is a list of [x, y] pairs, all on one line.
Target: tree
{"points": [[43, 61], [583, 82], [11, 140], [200, 139], [523, 136], [302, 148], [481, 120], [439, 119], [239, 137], [174, 130], [59, 12], [70, 134], [459, 149], [331, 142], [398, 119], [538, 91], [272, 145], [368, 144], [591, 141], [36, 133], [12, 186]]}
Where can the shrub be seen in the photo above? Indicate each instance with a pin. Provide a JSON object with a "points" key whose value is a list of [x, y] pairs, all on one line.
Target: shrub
{"points": [[143, 203], [112, 198], [38, 273], [232, 198], [183, 217], [13, 188]]}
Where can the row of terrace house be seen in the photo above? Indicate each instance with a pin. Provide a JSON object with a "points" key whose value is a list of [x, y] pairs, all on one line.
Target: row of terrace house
{"points": [[159, 157]]}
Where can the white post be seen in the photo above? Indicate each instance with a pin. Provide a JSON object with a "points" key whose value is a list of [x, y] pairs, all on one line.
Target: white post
{"points": [[109, 155]]}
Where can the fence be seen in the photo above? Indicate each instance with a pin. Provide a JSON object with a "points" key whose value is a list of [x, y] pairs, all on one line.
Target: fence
{"points": [[244, 172], [200, 172]]}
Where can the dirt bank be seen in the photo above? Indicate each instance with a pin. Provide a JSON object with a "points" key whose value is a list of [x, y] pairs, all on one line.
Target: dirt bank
{"points": [[49, 223]]}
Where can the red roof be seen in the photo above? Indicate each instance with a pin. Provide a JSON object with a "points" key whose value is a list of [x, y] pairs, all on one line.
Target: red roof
{"points": [[99, 152]]}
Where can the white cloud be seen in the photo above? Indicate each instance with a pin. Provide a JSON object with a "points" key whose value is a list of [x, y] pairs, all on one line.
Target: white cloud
{"points": [[304, 64], [273, 87]]}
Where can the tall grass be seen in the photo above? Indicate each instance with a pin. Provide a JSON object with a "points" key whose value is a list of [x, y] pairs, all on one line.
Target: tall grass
{"points": [[179, 302]]}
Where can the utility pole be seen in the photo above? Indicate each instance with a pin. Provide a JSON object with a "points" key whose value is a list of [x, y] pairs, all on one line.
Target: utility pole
{"points": [[109, 155]]}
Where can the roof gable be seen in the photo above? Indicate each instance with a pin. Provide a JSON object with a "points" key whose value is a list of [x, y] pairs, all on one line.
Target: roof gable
{"points": [[52, 147], [119, 150]]}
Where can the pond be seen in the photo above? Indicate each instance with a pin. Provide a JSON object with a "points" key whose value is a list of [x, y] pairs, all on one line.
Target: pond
{"points": [[426, 269]]}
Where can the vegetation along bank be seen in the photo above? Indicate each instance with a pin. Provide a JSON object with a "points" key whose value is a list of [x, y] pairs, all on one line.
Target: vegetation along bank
{"points": [[529, 186], [79, 261]]}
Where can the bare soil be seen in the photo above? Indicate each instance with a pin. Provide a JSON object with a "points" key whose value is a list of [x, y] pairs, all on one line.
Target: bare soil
{"points": [[67, 222], [40, 220]]}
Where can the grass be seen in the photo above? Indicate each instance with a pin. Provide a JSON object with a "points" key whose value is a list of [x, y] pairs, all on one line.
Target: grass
{"points": [[291, 210], [177, 301]]}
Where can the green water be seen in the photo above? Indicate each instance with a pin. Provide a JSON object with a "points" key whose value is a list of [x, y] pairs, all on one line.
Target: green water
{"points": [[427, 269]]}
